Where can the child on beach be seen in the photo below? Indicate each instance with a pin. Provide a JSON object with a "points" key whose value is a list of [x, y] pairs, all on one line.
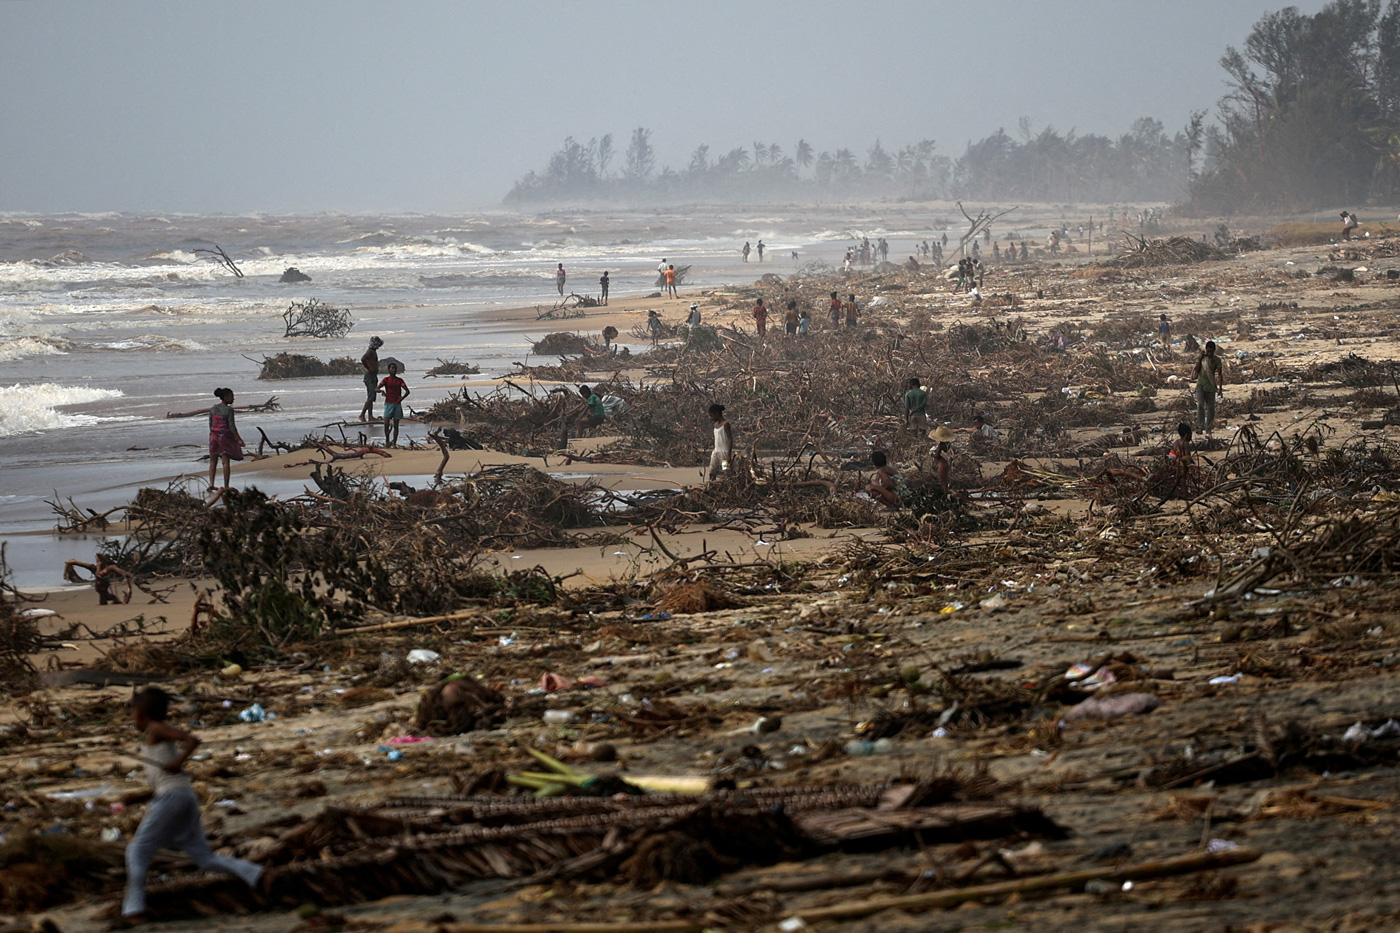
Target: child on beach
{"points": [[760, 316], [559, 277], [224, 440], [724, 442], [790, 319], [852, 309], [172, 818], [804, 323], [395, 391], [882, 486], [1164, 330]]}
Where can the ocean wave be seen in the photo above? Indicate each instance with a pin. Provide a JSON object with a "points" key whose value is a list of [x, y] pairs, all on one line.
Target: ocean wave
{"points": [[17, 348], [26, 409], [170, 255], [151, 342]]}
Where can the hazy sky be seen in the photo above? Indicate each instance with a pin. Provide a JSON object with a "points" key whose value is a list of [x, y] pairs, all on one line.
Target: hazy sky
{"points": [[284, 106]]}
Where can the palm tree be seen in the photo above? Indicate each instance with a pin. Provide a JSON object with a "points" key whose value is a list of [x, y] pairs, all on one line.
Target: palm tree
{"points": [[775, 154], [700, 158], [804, 153], [845, 161], [760, 154]]}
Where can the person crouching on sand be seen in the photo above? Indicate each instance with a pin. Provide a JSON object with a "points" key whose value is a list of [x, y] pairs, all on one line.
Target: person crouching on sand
{"points": [[395, 391], [172, 817], [225, 443], [882, 487]]}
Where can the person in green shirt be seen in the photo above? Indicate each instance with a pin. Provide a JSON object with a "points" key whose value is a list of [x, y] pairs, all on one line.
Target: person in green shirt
{"points": [[595, 412], [1210, 383], [915, 401]]}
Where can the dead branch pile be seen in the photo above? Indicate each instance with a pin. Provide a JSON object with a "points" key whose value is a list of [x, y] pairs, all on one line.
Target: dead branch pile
{"points": [[19, 637], [418, 845], [301, 366], [315, 318], [453, 368], [563, 343], [1143, 253]]}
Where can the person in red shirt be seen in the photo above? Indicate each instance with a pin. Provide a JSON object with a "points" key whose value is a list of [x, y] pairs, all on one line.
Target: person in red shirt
{"points": [[395, 391], [835, 309], [760, 315]]}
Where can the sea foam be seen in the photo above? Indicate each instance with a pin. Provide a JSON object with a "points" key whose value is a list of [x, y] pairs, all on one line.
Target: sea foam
{"points": [[25, 409]]}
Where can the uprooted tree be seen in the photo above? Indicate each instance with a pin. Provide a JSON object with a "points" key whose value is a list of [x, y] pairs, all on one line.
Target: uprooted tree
{"points": [[315, 318]]}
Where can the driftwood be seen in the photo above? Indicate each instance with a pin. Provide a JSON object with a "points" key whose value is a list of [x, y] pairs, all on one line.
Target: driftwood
{"points": [[981, 222], [222, 258], [1161, 868], [354, 453], [102, 572], [315, 318], [270, 405]]}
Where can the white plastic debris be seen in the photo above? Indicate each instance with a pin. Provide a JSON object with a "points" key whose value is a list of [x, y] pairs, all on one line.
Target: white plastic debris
{"points": [[423, 656], [1359, 733]]}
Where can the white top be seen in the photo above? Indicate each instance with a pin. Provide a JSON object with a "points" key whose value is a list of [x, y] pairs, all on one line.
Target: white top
{"points": [[157, 756], [721, 439]]}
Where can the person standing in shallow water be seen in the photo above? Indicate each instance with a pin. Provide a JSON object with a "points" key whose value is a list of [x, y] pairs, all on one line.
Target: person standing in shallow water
{"points": [[559, 277], [745, 251], [603, 283], [370, 361], [760, 250], [225, 443]]}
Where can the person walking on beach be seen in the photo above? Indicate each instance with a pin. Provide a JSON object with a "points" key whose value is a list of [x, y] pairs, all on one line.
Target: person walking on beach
{"points": [[760, 251], [724, 442], [654, 326], [661, 273], [804, 323], [671, 281], [693, 319], [852, 310], [559, 278], [395, 391], [603, 283], [225, 443], [834, 309], [172, 817], [745, 251], [915, 402], [370, 361], [942, 453], [1164, 331], [1210, 383]]}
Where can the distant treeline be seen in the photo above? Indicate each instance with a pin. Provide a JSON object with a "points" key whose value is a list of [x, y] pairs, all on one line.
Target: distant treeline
{"points": [[1312, 117], [1311, 120], [1046, 166]]}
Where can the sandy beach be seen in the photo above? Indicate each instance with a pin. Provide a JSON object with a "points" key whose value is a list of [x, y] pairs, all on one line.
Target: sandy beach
{"points": [[947, 636]]}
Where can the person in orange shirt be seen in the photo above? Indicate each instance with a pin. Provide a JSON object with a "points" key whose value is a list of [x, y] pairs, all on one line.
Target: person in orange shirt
{"points": [[790, 319], [852, 310], [835, 309], [671, 280], [760, 315]]}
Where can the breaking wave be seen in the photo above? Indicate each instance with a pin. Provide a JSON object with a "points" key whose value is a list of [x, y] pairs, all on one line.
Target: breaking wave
{"points": [[26, 409]]}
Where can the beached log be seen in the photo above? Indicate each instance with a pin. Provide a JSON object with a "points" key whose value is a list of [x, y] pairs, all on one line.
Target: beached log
{"points": [[270, 405], [981, 222], [1142, 871]]}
